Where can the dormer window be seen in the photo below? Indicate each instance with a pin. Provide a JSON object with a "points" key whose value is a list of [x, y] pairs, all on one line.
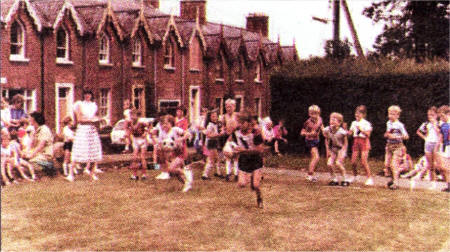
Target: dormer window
{"points": [[258, 72], [17, 41], [195, 55], [240, 73], [62, 45], [169, 56], [103, 53], [220, 68], [137, 52]]}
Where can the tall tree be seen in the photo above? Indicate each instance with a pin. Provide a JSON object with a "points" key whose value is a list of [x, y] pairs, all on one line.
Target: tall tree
{"points": [[413, 29]]}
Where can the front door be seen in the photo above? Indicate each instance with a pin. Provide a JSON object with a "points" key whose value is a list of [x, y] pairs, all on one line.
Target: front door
{"points": [[194, 104], [64, 102]]}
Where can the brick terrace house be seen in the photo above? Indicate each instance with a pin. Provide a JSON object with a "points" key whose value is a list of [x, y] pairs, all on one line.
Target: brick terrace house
{"points": [[129, 49]]}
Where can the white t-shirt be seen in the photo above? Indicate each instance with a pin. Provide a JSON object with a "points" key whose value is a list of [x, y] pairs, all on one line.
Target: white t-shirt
{"points": [[5, 115], [363, 124], [337, 138], [68, 133], [211, 129], [430, 132], [397, 129], [86, 109], [126, 114], [175, 133]]}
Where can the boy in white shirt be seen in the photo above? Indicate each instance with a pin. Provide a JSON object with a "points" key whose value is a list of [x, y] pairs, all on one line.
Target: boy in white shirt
{"points": [[395, 134]]}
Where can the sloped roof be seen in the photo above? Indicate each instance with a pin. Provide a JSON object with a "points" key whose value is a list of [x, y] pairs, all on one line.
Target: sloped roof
{"points": [[213, 45], [288, 53], [5, 5], [271, 52]]}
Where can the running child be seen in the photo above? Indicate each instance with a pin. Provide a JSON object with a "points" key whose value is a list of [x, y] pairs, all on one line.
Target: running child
{"points": [[229, 123], [336, 143], [171, 152], [395, 134], [250, 147], [311, 131], [138, 135], [430, 132], [361, 130]]}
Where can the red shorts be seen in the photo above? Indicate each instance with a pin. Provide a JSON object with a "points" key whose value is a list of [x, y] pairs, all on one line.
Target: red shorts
{"points": [[361, 144]]}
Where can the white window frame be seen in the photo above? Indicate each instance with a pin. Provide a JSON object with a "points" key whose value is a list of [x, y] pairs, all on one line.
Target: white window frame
{"points": [[241, 105], [194, 57], [258, 70], [28, 94], [20, 43], [70, 102], [102, 106], [167, 100], [258, 106], [192, 109], [221, 106], [141, 99], [104, 50], [65, 47], [136, 52], [169, 54]]}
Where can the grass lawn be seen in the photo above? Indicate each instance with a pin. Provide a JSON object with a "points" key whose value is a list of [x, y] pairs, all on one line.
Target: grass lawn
{"points": [[115, 213]]}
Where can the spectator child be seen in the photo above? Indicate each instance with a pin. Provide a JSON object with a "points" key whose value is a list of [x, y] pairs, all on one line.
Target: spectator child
{"points": [[361, 130], [212, 141], [429, 131], [336, 147], [127, 118], [280, 133], [137, 132], [395, 134], [19, 163], [69, 135], [311, 130], [6, 157]]}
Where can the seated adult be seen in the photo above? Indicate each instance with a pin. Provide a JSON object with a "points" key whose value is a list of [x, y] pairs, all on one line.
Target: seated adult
{"points": [[41, 152], [17, 113]]}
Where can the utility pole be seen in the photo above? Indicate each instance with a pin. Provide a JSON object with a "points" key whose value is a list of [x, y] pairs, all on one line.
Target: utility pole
{"points": [[336, 40], [358, 48]]}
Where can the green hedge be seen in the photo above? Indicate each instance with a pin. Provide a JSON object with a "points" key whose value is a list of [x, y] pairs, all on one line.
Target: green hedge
{"points": [[414, 93]]}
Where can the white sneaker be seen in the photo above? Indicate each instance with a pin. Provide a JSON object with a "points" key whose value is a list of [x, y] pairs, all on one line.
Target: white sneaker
{"points": [[433, 186], [412, 184], [369, 182], [352, 179], [69, 178], [187, 187], [163, 175], [94, 177]]}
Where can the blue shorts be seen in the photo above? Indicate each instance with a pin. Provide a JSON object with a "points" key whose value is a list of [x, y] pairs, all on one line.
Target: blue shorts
{"points": [[312, 143]]}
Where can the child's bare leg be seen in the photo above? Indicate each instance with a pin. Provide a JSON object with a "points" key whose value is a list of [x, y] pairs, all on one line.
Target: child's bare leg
{"points": [[330, 164], [22, 172], [30, 169], [365, 163], [430, 164], [355, 156], [144, 160], [243, 179], [314, 160], [387, 162], [3, 171], [256, 181], [340, 164]]}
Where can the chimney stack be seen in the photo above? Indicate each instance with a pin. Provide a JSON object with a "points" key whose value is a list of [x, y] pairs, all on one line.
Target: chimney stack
{"points": [[258, 22], [151, 3], [188, 10]]}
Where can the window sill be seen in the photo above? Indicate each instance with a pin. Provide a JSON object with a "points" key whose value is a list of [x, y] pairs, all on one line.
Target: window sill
{"points": [[220, 80], [169, 68], [258, 81], [194, 70], [104, 64], [61, 61], [18, 58], [239, 81], [138, 66], [3, 80]]}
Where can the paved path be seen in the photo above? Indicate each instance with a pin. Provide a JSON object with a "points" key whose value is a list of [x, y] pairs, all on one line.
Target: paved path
{"points": [[120, 159]]}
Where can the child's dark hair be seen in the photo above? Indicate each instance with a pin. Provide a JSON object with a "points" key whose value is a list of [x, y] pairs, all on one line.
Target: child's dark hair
{"points": [[67, 120], [168, 118], [208, 116], [182, 108], [87, 91], [362, 109]]}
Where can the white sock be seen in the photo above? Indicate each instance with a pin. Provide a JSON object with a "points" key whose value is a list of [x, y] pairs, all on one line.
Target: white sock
{"points": [[235, 167], [228, 166]]}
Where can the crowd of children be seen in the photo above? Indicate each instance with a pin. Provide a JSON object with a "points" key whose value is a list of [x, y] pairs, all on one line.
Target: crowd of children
{"points": [[239, 140]]}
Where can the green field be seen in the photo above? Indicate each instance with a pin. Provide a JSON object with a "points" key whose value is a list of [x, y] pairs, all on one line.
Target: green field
{"points": [[115, 213]]}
